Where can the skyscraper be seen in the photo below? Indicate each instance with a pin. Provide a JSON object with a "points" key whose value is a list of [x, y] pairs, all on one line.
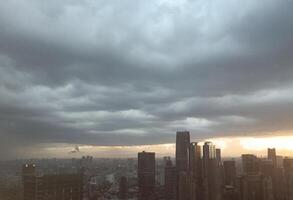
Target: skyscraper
{"points": [[182, 162], [182, 150], [195, 166], [146, 173], [229, 172], [272, 156], [250, 164], [210, 172]]}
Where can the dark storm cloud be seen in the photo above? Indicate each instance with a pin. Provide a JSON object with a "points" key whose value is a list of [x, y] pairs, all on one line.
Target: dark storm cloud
{"points": [[129, 73]]}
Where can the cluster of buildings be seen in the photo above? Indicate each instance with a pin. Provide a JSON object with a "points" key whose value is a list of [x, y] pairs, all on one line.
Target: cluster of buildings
{"points": [[197, 173], [200, 174]]}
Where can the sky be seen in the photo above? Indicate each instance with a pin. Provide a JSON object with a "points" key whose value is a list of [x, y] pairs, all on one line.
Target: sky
{"points": [[116, 77]]}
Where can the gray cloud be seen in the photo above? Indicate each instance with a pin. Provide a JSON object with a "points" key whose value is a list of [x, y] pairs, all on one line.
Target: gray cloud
{"points": [[131, 73]]}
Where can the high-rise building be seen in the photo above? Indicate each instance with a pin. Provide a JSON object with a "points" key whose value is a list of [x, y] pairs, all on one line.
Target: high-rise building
{"points": [[218, 156], [272, 156], [146, 174], [195, 167], [250, 164], [182, 161], [182, 150], [288, 178], [255, 187], [170, 180], [51, 186], [210, 172], [229, 172]]}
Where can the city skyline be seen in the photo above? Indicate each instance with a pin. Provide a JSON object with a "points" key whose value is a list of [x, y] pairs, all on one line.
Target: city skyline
{"points": [[117, 77]]}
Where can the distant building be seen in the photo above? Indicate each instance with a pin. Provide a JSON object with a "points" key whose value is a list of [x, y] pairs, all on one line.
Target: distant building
{"points": [[272, 156], [218, 157], [250, 164], [255, 187], [170, 180], [229, 172], [146, 174], [210, 172], [196, 176], [288, 178], [182, 150], [123, 188], [51, 186]]}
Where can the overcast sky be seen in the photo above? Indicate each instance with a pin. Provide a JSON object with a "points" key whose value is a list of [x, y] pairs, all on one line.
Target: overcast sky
{"points": [[114, 72]]}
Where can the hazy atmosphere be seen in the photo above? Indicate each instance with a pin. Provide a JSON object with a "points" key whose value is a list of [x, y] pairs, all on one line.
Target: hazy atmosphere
{"points": [[110, 76]]}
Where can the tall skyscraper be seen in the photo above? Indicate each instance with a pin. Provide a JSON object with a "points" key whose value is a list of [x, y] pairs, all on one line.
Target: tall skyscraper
{"points": [[229, 172], [195, 166], [272, 156], [182, 163], [210, 172], [146, 174], [182, 150]]}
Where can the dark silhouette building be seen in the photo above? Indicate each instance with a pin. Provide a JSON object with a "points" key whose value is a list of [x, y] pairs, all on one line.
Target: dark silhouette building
{"points": [[272, 156], [288, 178], [51, 186], [229, 172], [182, 150], [250, 164], [195, 166], [146, 174], [211, 182], [182, 163]]}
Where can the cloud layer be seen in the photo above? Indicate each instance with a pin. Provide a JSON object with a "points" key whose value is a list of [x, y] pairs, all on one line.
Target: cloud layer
{"points": [[134, 72]]}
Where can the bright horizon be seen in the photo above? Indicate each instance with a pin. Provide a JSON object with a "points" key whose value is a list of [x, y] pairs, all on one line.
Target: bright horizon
{"points": [[231, 147]]}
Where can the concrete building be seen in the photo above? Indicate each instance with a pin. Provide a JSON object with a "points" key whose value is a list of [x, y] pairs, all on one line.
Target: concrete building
{"points": [[146, 174]]}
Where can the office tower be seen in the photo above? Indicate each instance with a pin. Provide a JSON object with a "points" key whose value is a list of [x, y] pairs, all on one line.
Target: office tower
{"points": [[182, 159], [182, 150], [250, 164], [288, 178], [195, 167], [123, 188], [218, 156], [272, 156], [279, 161], [170, 180], [51, 186], [146, 174], [210, 172], [229, 172]]}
